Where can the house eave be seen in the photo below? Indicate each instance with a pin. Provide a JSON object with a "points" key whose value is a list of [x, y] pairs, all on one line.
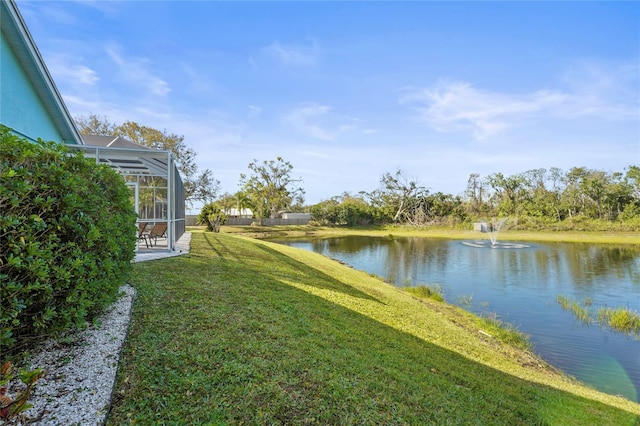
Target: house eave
{"points": [[17, 35]]}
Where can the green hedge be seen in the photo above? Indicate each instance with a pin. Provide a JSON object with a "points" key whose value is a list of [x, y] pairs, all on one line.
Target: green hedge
{"points": [[67, 238]]}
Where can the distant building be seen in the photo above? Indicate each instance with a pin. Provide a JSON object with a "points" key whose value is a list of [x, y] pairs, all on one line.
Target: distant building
{"points": [[482, 227], [239, 214], [296, 216]]}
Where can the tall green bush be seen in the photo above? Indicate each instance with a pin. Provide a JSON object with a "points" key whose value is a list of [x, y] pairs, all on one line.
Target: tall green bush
{"points": [[67, 238], [213, 216], [347, 212]]}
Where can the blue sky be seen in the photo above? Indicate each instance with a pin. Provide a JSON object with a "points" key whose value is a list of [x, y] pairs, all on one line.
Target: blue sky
{"points": [[347, 91]]}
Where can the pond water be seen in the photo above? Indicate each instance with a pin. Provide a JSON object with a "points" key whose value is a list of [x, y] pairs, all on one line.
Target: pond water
{"points": [[520, 286]]}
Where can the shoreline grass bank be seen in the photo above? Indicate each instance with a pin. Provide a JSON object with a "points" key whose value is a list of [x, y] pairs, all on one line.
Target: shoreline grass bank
{"points": [[246, 331], [593, 237]]}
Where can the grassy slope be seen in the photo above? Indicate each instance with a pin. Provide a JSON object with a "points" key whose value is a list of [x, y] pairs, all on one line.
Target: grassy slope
{"points": [[243, 331]]}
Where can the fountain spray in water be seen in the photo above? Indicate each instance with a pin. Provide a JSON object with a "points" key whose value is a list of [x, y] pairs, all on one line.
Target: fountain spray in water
{"points": [[494, 229]]}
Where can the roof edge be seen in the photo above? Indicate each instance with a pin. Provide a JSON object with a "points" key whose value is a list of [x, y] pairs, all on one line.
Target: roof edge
{"points": [[15, 16]]}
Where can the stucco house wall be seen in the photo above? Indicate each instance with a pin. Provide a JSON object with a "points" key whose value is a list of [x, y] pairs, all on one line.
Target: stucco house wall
{"points": [[20, 107], [32, 107], [30, 103]]}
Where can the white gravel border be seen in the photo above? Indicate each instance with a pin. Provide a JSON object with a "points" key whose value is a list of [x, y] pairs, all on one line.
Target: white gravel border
{"points": [[81, 368], [80, 371]]}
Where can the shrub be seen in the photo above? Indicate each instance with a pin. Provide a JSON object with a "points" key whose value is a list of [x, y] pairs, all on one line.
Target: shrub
{"points": [[67, 237], [12, 407], [212, 216], [349, 212], [426, 292]]}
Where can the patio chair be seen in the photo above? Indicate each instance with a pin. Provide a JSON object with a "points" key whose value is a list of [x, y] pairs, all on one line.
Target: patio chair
{"points": [[159, 230], [141, 234]]}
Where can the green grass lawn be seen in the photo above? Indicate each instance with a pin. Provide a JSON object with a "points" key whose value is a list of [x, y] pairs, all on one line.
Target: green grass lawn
{"points": [[242, 331]]}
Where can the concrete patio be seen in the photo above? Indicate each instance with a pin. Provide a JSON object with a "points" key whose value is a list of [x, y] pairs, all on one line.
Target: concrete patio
{"points": [[161, 252]]}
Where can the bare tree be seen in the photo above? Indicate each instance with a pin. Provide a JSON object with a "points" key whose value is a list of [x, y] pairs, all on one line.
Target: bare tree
{"points": [[397, 195]]}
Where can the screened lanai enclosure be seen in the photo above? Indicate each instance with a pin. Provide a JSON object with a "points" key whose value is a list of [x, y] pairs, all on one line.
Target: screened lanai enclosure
{"points": [[157, 191]]}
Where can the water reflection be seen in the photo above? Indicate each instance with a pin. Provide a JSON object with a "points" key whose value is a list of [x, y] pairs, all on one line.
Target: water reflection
{"points": [[520, 286]]}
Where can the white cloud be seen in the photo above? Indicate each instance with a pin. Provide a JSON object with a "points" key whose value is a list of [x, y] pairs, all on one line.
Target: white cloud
{"points": [[135, 71], [319, 122], [254, 111], [82, 106], [196, 81], [153, 114], [457, 106], [56, 13], [107, 8], [62, 68], [611, 91], [295, 55], [305, 119]]}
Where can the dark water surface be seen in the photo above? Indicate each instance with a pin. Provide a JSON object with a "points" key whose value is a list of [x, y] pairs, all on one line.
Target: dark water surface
{"points": [[520, 286]]}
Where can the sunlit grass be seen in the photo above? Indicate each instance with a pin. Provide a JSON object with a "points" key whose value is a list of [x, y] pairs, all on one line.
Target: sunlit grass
{"points": [[505, 332], [579, 310], [426, 292], [620, 319], [466, 299], [247, 332]]}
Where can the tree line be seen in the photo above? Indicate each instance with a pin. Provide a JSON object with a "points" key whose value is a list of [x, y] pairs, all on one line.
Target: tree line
{"points": [[537, 196], [541, 196]]}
